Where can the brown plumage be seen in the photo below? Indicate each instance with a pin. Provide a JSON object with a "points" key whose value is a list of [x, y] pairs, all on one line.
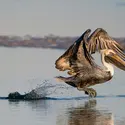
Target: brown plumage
{"points": [[63, 62], [85, 72], [97, 41], [100, 40]]}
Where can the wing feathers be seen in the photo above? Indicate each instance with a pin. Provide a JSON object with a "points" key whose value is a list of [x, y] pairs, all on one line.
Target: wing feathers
{"points": [[100, 40]]}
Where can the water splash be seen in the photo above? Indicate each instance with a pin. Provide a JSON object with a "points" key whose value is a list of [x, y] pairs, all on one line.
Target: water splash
{"points": [[48, 89]]}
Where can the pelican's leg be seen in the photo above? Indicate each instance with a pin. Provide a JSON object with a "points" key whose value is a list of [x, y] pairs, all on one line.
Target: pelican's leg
{"points": [[89, 91]]}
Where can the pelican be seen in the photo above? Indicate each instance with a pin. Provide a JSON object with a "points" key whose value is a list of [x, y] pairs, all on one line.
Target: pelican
{"points": [[97, 41], [86, 72]]}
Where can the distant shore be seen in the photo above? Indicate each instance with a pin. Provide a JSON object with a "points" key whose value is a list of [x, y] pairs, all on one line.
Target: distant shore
{"points": [[50, 41]]}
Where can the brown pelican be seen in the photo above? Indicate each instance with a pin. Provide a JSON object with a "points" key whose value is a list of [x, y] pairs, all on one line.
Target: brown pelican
{"points": [[85, 71], [97, 41]]}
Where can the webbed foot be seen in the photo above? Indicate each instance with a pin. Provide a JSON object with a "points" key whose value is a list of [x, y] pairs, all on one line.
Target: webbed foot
{"points": [[89, 91]]}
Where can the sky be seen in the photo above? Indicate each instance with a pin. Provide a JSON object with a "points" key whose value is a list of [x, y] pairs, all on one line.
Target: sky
{"points": [[61, 17]]}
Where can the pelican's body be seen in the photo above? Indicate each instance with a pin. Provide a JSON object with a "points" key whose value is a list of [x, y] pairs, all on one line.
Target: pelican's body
{"points": [[85, 72]]}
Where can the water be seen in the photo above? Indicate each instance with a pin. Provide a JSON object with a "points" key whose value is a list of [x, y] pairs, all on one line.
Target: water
{"points": [[23, 69]]}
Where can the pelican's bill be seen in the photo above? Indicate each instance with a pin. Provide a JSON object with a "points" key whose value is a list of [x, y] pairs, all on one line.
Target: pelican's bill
{"points": [[116, 60]]}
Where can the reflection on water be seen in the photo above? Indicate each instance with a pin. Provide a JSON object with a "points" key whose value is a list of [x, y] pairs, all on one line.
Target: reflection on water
{"points": [[88, 115], [61, 112]]}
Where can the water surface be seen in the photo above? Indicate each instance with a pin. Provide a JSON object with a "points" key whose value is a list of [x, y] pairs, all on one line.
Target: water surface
{"points": [[23, 69]]}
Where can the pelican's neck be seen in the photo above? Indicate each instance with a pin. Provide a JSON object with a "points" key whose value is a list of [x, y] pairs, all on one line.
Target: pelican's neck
{"points": [[108, 66]]}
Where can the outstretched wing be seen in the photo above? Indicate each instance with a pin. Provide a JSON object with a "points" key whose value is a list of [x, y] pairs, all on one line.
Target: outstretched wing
{"points": [[63, 62], [82, 59], [81, 63], [100, 40], [116, 60]]}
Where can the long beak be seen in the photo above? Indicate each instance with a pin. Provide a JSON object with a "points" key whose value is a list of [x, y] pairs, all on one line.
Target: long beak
{"points": [[117, 61]]}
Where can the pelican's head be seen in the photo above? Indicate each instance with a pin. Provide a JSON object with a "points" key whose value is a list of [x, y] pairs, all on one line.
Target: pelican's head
{"points": [[110, 51], [107, 52]]}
